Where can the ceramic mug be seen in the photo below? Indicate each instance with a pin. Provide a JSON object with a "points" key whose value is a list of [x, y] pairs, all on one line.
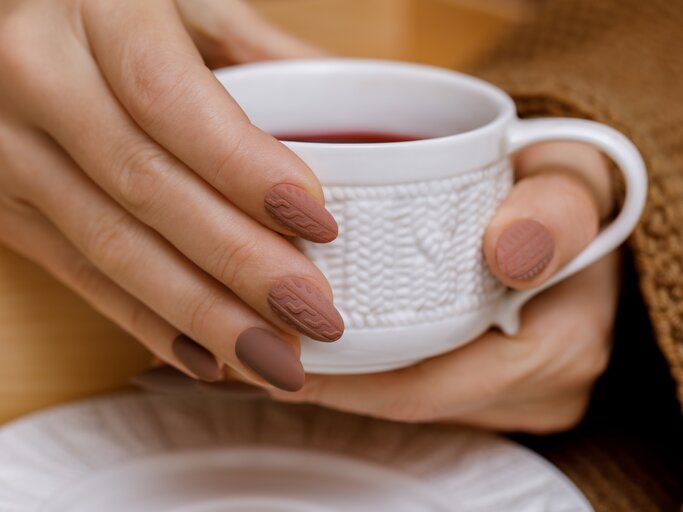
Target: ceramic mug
{"points": [[407, 270]]}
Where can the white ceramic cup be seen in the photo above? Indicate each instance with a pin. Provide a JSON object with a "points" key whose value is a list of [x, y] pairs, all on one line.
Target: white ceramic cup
{"points": [[407, 270]]}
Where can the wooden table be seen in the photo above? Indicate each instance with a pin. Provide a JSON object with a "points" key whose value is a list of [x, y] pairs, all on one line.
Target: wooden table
{"points": [[57, 348]]}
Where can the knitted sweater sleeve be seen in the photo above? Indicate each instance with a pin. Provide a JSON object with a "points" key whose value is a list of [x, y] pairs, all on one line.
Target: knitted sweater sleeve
{"points": [[619, 62]]}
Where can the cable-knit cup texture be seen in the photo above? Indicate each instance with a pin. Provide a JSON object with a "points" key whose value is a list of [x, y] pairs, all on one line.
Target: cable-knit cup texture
{"points": [[412, 253]]}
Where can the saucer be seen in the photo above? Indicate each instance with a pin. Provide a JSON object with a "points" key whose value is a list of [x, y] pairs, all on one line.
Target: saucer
{"points": [[200, 453]]}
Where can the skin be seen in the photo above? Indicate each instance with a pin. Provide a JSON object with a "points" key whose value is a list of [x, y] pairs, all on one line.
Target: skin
{"points": [[160, 223]]}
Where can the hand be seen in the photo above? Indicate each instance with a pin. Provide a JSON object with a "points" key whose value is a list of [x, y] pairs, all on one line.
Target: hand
{"points": [[540, 380], [128, 172]]}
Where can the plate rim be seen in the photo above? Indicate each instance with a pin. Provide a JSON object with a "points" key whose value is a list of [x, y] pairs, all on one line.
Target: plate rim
{"points": [[121, 396]]}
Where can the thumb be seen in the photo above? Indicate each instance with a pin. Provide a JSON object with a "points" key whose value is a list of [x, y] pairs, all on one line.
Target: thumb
{"points": [[230, 32], [551, 214], [545, 221]]}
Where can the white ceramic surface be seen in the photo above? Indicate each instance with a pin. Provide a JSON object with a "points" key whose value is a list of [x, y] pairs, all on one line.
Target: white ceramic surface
{"points": [[407, 270], [202, 454]]}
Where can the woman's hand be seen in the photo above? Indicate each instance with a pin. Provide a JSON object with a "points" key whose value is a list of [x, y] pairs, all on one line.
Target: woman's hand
{"points": [[540, 380], [129, 173]]}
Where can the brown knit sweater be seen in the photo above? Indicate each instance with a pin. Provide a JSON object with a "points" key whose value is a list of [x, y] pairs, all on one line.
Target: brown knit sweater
{"points": [[619, 62]]}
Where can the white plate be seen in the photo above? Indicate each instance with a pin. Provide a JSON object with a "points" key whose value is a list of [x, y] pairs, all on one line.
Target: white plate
{"points": [[150, 453]]}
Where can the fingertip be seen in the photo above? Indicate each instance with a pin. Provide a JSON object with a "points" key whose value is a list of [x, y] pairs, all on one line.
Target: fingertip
{"points": [[297, 210], [545, 221], [299, 303], [197, 359], [524, 250], [271, 358]]}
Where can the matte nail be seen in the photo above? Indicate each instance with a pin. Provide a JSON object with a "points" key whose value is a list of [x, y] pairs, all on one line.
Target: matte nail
{"points": [[524, 250], [270, 357], [164, 379], [299, 303], [298, 211], [197, 359]]}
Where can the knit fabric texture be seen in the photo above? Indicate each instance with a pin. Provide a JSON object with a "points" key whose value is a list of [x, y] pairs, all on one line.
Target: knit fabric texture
{"points": [[619, 62], [387, 231]]}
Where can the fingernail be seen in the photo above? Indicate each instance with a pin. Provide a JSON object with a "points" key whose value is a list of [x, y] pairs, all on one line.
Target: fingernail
{"points": [[164, 379], [270, 357], [524, 250], [197, 359], [302, 305], [295, 209], [234, 390]]}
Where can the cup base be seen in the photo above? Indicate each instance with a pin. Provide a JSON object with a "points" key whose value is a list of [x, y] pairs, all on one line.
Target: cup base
{"points": [[358, 369], [379, 350]]}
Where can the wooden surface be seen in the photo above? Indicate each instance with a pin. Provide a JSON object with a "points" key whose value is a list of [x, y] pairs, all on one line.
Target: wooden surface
{"points": [[56, 348], [451, 33]]}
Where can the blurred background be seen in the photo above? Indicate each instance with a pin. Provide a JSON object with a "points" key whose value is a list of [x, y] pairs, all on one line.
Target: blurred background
{"points": [[56, 348]]}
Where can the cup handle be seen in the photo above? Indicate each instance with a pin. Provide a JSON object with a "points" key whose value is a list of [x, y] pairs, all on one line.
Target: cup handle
{"points": [[624, 153]]}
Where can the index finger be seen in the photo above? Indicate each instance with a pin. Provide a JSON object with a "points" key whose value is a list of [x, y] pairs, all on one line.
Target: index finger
{"points": [[156, 72]]}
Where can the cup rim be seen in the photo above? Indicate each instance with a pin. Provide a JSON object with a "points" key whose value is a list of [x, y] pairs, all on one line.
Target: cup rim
{"points": [[502, 101]]}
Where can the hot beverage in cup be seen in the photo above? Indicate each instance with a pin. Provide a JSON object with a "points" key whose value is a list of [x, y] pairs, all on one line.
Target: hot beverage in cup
{"points": [[348, 137]]}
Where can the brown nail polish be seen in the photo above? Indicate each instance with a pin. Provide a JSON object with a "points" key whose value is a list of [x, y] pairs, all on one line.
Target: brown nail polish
{"points": [[197, 359], [164, 379], [270, 357], [302, 305], [524, 250], [295, 209], [233, 390]]}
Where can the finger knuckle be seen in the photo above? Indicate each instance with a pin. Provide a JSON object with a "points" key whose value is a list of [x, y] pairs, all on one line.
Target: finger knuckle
{"points": [[138, 179], [138, 320], [576, 199], [85, 277], [232, 258], [200, 309], [230, 151], [108, 242], [157, 82]]}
